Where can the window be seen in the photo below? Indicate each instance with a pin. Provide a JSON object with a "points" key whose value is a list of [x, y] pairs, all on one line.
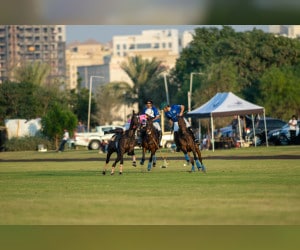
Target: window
{"points": [[143, 46]]}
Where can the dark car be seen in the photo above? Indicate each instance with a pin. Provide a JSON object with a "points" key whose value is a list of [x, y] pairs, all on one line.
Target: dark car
{"points": [[282, 136], [271, 124], [273, 136]]}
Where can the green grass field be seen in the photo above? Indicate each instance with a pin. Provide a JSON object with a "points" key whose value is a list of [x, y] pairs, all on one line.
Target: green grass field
{"points": [[68, 188]]}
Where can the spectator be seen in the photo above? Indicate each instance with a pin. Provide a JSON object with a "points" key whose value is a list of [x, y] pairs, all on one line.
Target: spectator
{"points": [[293, 127], [64, 141], [80, 127], [234, 125]]}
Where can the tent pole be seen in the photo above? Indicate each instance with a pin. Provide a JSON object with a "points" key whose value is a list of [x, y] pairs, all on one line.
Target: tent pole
{"points": [[212, 134], [199, 131], [253, 130], [266, 133], [240, 132]]}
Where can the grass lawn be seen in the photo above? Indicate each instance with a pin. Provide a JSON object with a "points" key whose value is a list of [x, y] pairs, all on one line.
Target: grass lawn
{"points": [[68, 188]]}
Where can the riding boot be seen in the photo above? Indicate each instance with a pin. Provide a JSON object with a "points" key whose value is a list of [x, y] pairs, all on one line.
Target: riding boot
{"points": [[193, 135], [176, 139]]}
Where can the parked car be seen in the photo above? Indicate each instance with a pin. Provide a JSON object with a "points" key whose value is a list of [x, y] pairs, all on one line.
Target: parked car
{"points": [[282, 136], [259, 126], [93, 140], [271, 124]]}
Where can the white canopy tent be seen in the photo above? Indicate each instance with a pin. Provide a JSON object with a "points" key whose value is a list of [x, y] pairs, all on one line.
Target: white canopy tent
{"points": [[227, 104]]}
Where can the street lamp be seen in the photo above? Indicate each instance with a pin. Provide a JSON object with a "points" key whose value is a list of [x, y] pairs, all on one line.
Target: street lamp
{"points": [[90, 99], [189, 94], [166, 87]]}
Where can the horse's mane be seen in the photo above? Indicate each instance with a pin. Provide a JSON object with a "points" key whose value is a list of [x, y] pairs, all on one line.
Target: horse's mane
{"points": [[181, 124]]}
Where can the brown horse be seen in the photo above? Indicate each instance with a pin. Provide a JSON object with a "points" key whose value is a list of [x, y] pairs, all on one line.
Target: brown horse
{"points": [[122, 143], [188, 145], [150, 142]]}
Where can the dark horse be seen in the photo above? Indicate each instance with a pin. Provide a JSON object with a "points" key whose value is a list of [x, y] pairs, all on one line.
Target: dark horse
{"points": [[150, 142], [187, 145], [122, 143]]}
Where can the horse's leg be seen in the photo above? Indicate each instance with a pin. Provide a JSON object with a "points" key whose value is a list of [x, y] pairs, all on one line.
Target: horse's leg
{"points": [[154, 160], [109, 153], [115, 163], [143, 156], [188, 158], [133, 160], [192, 159], [121, 161], [199, 162], [150, 161]]}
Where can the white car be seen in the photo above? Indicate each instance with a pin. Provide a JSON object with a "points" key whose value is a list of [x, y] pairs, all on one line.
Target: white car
{"points": [[93, 140]]}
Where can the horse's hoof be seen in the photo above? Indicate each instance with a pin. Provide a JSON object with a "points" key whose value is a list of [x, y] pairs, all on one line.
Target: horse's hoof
{"points": [[141, 162], [112, 173], [120, 173], [103, 172], [154, 165], [134, 164]]}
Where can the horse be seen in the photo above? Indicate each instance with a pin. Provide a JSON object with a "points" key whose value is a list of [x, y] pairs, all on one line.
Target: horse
{"points": [[122, 143], [188, 145], [150, 142]]}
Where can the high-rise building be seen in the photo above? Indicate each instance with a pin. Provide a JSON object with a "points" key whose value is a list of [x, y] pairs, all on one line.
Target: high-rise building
{"points": [[27, 43]]}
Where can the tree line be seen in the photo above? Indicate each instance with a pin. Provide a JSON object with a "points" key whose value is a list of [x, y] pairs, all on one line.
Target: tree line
{"points": [[260, 67]]}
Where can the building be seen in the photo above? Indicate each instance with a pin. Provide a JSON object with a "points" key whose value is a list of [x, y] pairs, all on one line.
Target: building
{"points": [[81, 56], [187, 37], [291, 31], [86, 60], [160, 44], [27, 43]]}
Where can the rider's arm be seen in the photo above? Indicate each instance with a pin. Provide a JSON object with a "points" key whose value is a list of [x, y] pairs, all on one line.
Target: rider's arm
{"points": [[181, 110]]}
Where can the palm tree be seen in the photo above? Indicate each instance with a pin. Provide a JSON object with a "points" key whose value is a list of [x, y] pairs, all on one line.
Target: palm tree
{"points": [[111, 97], [143, 73], [34, 72]]}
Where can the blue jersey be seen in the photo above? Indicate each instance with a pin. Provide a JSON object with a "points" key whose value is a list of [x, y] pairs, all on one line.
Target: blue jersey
{"points": [[152, 112], [174, 112]]}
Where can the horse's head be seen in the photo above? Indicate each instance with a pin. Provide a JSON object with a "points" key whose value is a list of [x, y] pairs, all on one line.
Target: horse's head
{"points": [[149, 126], [134, 122]]}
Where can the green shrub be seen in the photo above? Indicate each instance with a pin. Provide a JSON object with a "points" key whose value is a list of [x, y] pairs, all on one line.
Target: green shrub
{"points": [[28, 143]]}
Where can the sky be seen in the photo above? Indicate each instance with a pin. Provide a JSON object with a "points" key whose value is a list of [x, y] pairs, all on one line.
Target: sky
{"points": [[104, 33]]}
